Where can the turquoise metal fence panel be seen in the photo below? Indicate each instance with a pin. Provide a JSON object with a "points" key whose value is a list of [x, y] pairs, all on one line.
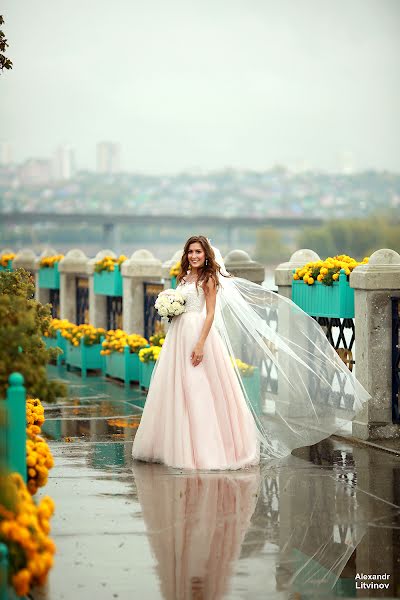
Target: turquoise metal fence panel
{"points": [[57, 342], [49, 277], [123, 365], [319, 300], [108, 283], [146, 370], [252, 385], [85, 357], [16, 425]]}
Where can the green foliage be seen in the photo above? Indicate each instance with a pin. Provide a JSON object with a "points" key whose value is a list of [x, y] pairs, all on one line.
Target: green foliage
{"points": [[23, 323], [270, 248], [357, 238], [5, 63]]}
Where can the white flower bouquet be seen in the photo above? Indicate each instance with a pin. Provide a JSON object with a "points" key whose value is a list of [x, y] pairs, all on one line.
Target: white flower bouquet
{"points": [[170, 303]]}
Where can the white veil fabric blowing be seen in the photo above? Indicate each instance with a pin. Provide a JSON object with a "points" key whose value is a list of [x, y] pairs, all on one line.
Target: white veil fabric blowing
{"points": [[305, 391]]}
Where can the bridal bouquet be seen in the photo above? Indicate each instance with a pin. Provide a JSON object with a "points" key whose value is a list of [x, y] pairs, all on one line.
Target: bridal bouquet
{"points": [[170, 303]]}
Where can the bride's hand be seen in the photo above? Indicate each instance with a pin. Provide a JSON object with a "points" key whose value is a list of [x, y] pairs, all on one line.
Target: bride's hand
{"points": [[197, 355]]}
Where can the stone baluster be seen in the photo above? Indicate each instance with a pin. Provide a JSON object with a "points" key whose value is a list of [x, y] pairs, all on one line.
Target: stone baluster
{"points": [[25, 259], [140, 267], [97, 302], [374, 284], [284, 271], [240, 264], [166, 267], [73, 265]]}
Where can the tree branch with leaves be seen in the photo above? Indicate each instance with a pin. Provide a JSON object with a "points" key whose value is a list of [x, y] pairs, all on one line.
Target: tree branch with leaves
{"points": [[5, 63]]}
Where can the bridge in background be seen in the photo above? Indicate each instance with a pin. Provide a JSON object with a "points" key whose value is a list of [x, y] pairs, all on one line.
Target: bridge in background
{"points": [[110, 222]]}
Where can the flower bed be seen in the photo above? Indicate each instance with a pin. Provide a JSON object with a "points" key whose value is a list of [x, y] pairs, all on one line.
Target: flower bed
{"points": [[108, 283], [125, 366], [336, 301], [146, 371], [49, 277], [57, 342], [25, 525], [121, 355], [322, 288], [148, 357], [251, 382], [174, 272], [252, 385], [6, 261], [85, 357], [24, 529], [39, 459], [107, 276]]}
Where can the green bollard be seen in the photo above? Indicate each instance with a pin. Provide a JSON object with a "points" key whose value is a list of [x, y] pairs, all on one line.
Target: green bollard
{"points": [[16, 425], [3, 572], [83, 358]]}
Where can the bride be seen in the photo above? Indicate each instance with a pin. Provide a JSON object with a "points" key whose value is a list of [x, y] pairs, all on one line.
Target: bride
{"points": [[243, 373]]}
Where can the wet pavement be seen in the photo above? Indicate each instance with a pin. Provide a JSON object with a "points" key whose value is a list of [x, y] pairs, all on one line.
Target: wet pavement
{"points": [[312, 526]]}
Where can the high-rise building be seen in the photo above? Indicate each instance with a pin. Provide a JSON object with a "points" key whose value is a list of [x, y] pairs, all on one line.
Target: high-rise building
{"points": [[6, 153], [108, 157], [35, 171], [64, 163]]}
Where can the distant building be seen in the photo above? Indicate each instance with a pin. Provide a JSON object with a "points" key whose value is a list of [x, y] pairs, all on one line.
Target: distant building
{"points": [[108, 157], [35, 171], [64, 163], [346, 164], [6, 154]]}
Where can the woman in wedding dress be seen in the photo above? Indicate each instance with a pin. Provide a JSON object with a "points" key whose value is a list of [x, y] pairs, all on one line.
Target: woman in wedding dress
{"points": [[199, 413], [196, 416]]}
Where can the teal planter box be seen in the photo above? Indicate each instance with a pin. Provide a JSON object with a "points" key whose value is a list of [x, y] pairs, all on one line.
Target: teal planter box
{"points": [[85, 357], [108, 283], [146, 370], [123, 365], [49, 277], [252, 385], [8, 267], [173, 282], [58, 342], [319, 300]]}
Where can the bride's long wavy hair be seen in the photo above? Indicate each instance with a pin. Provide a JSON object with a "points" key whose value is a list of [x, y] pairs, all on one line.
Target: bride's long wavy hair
{"points": [[208, 271]]}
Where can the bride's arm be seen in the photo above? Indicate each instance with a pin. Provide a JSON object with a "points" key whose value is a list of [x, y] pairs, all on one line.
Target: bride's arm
{"points": [[211, 296]]}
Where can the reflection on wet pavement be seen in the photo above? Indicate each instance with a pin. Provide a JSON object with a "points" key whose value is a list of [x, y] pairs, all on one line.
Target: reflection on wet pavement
{"points": [[303, 528]]}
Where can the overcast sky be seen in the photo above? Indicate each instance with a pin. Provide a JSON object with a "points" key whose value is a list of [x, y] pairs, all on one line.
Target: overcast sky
{"points": [[205, 83]]}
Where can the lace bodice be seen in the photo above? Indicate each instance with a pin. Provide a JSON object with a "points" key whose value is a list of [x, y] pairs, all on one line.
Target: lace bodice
{"points": [[195, 299]]}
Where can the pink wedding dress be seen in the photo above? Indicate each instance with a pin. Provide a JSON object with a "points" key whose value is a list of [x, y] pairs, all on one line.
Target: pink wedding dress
{"points": [[195, 417]]}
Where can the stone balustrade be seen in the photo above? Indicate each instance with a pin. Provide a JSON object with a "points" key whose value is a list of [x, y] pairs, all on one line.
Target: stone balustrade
{"points": [[374, 284]]}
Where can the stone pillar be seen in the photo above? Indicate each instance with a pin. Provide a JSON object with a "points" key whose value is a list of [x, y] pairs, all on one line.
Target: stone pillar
{"points": [[97, 303], [140, 267], [374, 284], [287, 406], [25, 259], [239, 264], [73, 265], [42, 294], [284, 271], [166, 267]]}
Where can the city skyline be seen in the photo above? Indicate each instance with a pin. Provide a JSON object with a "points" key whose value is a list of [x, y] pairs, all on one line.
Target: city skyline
{"points": [[62, 163], [206, 86]]}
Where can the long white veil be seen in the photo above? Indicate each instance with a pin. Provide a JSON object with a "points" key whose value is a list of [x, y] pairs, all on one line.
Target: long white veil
{"points": [[299, 390]]}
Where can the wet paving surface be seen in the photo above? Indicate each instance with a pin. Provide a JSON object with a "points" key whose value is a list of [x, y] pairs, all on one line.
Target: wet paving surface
{"points": [[307, 527]]}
